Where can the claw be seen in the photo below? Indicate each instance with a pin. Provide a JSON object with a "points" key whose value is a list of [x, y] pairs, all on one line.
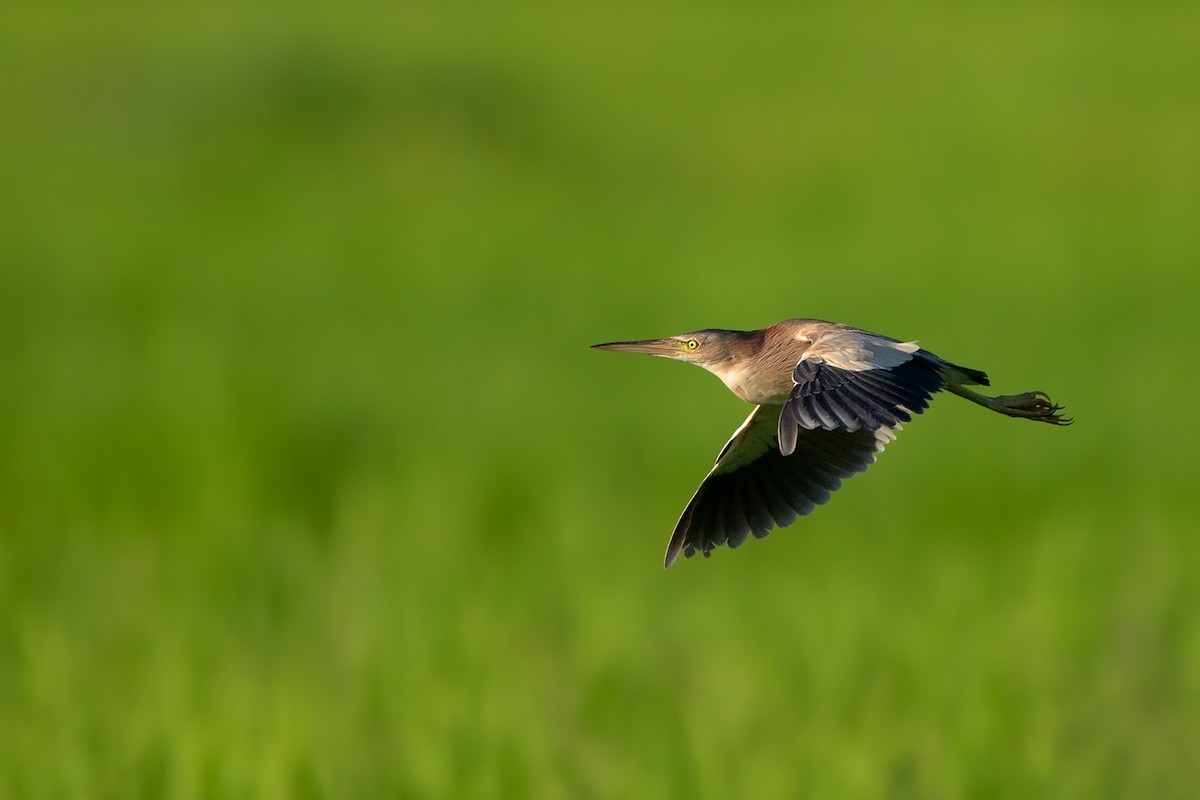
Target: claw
{"points": [[1035, 406]]}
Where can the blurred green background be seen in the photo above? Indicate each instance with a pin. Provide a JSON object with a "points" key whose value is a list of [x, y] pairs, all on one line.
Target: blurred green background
{"points": [[310, 487]]}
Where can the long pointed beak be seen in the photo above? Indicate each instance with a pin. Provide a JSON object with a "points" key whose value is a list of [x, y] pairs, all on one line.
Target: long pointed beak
{"points": [[653, 347]]}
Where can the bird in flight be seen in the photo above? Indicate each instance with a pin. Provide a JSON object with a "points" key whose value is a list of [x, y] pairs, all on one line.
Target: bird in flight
{"points": [[827, 398]]}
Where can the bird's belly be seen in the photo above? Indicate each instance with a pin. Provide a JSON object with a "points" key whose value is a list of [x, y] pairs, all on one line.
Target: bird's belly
{"points": [[756, 390]]}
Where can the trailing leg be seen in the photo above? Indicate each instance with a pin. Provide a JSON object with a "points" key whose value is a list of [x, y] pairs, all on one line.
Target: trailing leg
{"points": [[1030, 405]]}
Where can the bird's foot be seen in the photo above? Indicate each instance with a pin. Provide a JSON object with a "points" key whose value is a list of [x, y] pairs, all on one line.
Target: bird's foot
{"points": [[1031, 405]]}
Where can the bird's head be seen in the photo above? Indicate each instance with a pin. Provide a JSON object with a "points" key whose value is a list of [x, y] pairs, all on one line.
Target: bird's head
{"points": [[707, 348]]}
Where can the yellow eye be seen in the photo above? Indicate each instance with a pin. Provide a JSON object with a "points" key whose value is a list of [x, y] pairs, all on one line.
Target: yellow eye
{"points": [[692, 344]]}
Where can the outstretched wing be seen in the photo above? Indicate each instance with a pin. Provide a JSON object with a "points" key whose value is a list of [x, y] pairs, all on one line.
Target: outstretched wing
{"points": [[753, 488], [853, 380]]}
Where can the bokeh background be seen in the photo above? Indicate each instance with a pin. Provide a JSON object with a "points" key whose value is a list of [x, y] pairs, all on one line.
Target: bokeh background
{"points": [[310, 487]]}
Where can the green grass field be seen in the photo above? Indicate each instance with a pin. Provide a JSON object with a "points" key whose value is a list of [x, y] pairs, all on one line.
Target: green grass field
{"points": [[310, 486]]}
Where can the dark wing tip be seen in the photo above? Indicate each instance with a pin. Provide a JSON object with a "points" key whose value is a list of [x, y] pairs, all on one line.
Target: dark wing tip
{"points": [[679, 536], [673, 551]]}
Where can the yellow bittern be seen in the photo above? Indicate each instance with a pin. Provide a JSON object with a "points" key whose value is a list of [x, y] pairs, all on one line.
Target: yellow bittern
{"points": [[827, 398]]}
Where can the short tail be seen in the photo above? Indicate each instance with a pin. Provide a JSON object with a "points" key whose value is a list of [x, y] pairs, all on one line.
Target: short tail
{"points": [[976, 376], [953, 373]]}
